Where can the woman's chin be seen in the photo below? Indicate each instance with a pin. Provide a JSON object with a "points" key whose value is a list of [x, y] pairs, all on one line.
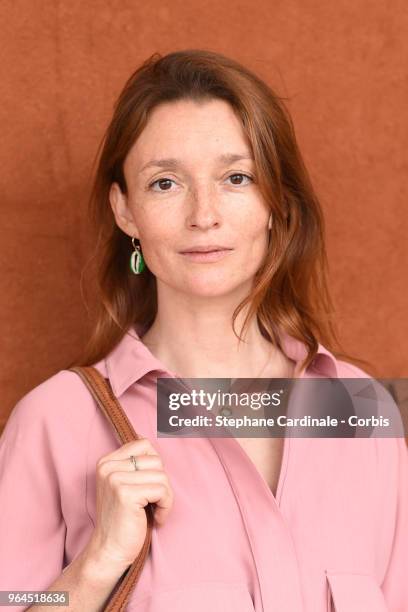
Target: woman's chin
{"points": [[208, 290]]}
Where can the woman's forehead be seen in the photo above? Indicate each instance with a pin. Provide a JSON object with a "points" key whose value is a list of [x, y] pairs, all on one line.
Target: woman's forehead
{"points": [[183, 130]]}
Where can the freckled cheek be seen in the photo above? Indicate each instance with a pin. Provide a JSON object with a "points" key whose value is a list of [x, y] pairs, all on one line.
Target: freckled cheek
{"points": [[157, 234], [252, 252], [160, 252], [160, 229], [254, 236]]}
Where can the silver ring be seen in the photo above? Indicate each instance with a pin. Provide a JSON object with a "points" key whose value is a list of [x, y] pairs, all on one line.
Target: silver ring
{"points": [[133, 460]]}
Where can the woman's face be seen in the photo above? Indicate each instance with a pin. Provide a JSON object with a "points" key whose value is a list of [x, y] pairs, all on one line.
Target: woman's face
{"points": [[191, 183]]}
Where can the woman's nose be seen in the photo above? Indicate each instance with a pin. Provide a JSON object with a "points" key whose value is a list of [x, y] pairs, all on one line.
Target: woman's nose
{"points": [[203, 206]]}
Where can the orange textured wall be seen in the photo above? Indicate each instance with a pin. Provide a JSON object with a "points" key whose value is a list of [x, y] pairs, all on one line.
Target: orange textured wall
{"points": [[342, 67]]}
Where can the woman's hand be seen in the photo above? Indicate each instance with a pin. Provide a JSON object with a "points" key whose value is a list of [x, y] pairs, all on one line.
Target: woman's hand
{"points": [[121, 495]]}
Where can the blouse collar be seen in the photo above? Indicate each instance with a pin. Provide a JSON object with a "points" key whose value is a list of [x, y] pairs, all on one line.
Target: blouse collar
{"points": [[130, 360]]}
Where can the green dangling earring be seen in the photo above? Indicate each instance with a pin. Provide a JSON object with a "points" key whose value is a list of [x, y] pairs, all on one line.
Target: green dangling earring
{"points": [[137, 263]]}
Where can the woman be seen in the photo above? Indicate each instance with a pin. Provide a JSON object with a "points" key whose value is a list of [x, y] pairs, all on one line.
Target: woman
{"points": [[201, 190]]}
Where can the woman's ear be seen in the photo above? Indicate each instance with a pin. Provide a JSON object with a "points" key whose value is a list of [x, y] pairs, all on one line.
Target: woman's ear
{"points": [[270, 222], [123, 216]]}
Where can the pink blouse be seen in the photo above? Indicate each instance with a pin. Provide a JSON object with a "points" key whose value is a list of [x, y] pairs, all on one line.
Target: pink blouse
{"points": [[337, 528]]}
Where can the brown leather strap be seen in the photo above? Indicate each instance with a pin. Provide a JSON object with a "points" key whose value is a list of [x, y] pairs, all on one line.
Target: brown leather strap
{"points": [[107, 402]]}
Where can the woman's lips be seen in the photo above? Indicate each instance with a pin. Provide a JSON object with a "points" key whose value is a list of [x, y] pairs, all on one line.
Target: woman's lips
{"points": [[208, 256]]}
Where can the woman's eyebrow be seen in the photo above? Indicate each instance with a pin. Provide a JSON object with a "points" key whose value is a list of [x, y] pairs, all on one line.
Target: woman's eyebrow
{"points": [[173, 163]]}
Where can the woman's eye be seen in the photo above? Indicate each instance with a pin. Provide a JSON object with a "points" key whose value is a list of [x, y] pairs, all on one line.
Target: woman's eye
{"points": [[163, 184], [237, 178]]}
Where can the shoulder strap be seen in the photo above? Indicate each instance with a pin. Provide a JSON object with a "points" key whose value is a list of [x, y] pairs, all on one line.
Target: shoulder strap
{"points": [[107, 402]]}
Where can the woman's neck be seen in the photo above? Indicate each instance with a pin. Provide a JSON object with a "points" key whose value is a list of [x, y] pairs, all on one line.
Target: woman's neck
{"points": [[204, 345]]}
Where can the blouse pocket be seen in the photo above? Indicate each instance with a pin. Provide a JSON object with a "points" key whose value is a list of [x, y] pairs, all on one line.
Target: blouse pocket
{"points": [[348, 592], [200, 597]]}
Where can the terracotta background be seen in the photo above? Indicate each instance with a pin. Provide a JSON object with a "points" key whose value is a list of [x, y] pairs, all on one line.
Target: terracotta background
{"points": [[343, 67]]}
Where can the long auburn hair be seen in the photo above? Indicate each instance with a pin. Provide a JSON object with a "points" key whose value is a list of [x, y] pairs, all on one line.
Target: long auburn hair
{"points": [[290, 289]]}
